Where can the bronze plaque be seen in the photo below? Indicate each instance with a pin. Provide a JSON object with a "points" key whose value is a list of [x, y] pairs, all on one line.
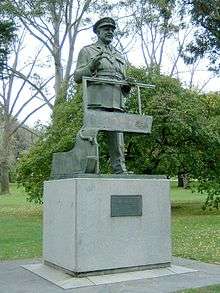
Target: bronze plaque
{"points": [[126, 205]]}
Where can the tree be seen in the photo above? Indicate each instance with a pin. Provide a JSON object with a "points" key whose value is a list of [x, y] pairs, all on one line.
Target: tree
{"points": [[206, 15], [34, 167], [7, 31], [175, 126], [185, 136], [20, 142], [56, 25], [13, 103], [210, 173], [6, 35], [161, 33], [162, 154], [178, 142], [157, 25]]}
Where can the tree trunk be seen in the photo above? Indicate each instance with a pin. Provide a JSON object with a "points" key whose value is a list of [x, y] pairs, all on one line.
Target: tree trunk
{"points": [[183, 180], [5, 148], [4, 179]]}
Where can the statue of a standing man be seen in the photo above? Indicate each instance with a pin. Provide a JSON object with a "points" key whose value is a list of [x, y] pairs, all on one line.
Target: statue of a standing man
{"points": [[102, 60]]}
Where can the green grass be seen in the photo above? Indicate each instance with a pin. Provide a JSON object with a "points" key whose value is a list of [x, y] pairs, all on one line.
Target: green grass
{"points": [[195, 233], [209, 289], [20, 226]]}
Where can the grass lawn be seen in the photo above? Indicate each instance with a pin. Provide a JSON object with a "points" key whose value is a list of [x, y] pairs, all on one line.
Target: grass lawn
{"points": [[209, 289], [20, 226], [195, 233]]}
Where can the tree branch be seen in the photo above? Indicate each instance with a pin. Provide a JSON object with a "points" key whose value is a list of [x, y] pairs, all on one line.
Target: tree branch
{"points": [[22, 76], [27, 117], [25, 80], [205, 84], [30, 99], [38, 37]]}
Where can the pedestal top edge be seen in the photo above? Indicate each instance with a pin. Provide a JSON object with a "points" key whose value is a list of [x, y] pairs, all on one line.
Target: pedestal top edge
{"points": [[111, 176]]}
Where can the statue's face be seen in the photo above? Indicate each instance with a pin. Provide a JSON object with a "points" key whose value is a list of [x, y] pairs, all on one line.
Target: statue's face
{"points": [[106, 34]]}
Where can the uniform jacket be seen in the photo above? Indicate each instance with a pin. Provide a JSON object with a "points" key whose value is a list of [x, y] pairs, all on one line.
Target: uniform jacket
{"points": [[112, 66]]}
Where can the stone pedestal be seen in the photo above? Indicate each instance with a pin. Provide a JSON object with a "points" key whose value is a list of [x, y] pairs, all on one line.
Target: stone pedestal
{"points": [[100, 224]]}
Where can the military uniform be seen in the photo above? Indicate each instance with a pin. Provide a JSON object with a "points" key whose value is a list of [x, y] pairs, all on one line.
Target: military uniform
{"points": [[112, 65], [104, 96]]}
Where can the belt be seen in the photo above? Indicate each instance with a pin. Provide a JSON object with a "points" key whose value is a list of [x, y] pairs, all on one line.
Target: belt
{"points": [[110, 74]]}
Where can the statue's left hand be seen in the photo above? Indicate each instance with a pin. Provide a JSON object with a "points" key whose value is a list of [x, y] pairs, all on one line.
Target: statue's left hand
{"points": [[131, 81], [127, 87]]}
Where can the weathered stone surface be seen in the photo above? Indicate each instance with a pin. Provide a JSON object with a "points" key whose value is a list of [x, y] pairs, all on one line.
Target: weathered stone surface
{"points": [[66, 281], [14, 276], [81, 236]]}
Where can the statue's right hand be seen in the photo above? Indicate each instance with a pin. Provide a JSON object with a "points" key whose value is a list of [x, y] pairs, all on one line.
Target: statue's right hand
{"points": [[95, 62]]}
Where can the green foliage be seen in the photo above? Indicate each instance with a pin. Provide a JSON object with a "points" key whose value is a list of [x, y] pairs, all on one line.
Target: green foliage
{"points": [[34, 8], [30, 12], [7, 30], [209, 177], [206, 15], [176, 132], [185, 134], [34, 167], [7, 33], [184, 137]]}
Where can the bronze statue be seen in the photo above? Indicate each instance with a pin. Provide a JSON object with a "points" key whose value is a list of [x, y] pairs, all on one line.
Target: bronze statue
{"points": [[102, 60], [101, 69]]}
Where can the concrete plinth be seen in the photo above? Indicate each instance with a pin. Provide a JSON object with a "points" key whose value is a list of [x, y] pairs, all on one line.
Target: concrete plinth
{"points": [[96, 225]]}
